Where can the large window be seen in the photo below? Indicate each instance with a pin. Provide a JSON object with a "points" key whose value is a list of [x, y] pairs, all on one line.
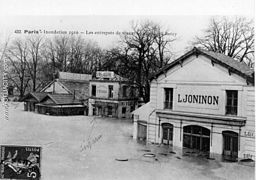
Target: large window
{"points": [[168, 98], [110, 91], [232, 101], [196, 137], [93, 90], [132, 91], [124, 91], [123, 110], [110, 110]]}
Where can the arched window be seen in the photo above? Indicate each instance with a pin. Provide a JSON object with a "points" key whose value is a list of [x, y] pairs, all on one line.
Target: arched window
{"points": [[196, 137]]}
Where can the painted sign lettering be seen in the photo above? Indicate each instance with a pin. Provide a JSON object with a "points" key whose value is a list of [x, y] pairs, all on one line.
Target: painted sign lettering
{"points": [[198, 99], [249, 134], [102, 91], [248, 156], [104, 74]]}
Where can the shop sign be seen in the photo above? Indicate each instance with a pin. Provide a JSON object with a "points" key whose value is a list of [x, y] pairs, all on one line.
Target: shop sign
{"points": [[198, 98], [102, 91], [105, 74], [20, 162]]}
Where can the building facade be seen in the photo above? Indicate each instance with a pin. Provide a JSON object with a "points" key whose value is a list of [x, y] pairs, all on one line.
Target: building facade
{"points": [[203, 102], [111, 95]]}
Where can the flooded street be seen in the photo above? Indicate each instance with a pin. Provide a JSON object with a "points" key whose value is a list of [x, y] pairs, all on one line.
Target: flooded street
{"points": [[82, 147]]}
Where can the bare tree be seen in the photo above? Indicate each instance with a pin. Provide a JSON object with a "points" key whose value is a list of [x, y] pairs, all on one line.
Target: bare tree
{"points": [[234, 38], [93, 57], [163, 40], [17, 54], [139, 44], [147, 50], [72, 54], [34, 59], [75, 60], [50, 59], [61, 45]]}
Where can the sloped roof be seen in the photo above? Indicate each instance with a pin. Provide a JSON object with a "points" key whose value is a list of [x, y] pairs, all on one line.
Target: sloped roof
{"points": [[144, 111], [234, 66], [61, 99], [37, 95], [77, 87], [240, 66]]}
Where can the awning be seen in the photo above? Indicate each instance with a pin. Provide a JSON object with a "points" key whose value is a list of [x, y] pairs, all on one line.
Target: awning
{"points": [[202, 118]]}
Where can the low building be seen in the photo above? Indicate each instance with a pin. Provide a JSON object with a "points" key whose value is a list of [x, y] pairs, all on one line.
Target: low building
{"points": [[31, 99], [112, 95], [70, 83], [68, 95], [202, 102], [60, 104]]}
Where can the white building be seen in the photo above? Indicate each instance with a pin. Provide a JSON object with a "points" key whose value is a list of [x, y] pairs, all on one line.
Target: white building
{"points": [[111, 95], [203, 101]]}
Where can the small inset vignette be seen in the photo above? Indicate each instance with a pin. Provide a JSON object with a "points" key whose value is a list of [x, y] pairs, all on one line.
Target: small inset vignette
{"points": [[20, 162]]}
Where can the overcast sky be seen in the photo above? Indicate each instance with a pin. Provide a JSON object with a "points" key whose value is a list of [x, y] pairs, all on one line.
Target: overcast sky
{"points": [[185, 18]]}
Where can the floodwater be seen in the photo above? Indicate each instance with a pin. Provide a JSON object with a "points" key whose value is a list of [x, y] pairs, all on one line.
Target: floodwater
{"points": [[81, 147]]}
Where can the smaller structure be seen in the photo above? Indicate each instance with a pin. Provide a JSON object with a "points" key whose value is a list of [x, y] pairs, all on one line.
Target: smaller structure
{"points": [[31, 99], [70, 83], [61, 104], [140, 117], [66, 95], [112, 95]]}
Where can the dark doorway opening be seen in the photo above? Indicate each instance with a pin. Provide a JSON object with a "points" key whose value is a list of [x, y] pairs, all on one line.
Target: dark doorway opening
{"points": [[167, 134], [142, 131], [230, 145]]}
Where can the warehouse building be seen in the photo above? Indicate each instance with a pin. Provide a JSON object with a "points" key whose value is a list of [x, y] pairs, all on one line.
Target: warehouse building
{"points": [[111, 95], [203, 102]]}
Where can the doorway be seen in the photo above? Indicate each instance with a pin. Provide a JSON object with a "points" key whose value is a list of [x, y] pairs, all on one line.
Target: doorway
{"points": [[230, 145], [167, 134], [142, 131]]}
